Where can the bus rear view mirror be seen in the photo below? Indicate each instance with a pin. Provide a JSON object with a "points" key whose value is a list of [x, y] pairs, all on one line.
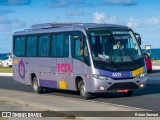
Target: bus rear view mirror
{"points": [[138, 38]]}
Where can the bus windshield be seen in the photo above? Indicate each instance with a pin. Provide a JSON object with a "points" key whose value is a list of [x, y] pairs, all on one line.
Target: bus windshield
{"points": [[115, 46]]}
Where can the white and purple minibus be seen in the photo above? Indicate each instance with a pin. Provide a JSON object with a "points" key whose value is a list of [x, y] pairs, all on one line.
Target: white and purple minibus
{"points": [[85, 57]]}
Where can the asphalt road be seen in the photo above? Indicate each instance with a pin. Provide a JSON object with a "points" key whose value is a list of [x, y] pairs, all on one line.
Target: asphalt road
{"points": [[148, 98]]}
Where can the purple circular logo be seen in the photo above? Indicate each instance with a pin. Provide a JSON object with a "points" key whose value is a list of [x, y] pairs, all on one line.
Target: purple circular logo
{"points": [[21, 69]]}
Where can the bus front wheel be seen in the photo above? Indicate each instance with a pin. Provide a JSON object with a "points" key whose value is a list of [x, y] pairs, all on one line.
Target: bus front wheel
{"points": [[82, 89], [36, 87]]}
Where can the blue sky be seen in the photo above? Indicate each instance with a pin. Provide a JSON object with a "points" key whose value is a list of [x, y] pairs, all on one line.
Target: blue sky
{"points": [[143, 16]]}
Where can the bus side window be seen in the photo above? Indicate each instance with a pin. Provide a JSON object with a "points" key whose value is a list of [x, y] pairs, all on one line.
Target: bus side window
{"points": [[66, 46], [44, 46], [60, 45], [19, 46], [31, 49], [79, 48], [54, 42]]}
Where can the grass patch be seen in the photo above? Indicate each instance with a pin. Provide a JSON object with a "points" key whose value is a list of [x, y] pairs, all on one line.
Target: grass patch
{"points": [[154, 60], [3, 118], [5, 70]]}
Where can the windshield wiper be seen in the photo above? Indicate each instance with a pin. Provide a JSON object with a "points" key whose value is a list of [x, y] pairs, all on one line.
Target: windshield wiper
{"points": [[130, 56]]}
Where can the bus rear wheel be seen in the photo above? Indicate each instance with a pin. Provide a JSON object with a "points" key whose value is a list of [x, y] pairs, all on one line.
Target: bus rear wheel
{"points": [[36, 87], [82, 89], [127, 94]]}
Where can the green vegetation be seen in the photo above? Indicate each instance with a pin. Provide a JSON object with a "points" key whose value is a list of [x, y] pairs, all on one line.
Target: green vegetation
{"points": [[155, 60], [3, 118], [5, 70]]}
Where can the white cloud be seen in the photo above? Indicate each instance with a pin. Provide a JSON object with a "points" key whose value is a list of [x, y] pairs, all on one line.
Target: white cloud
{"points": [[152, 21], [11, 25], [133, 22], [2, 19], [100, 17], [14, 2], [34, 21], [148, 28], [6, 11], [75, 13], [78, 1], [74, 3], [58, 3], [119, 2], [17, 24], [7, 27], [137, 23]]}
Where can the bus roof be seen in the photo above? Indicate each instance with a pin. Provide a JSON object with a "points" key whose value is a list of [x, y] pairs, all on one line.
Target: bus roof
{"points": [[57, 27]]}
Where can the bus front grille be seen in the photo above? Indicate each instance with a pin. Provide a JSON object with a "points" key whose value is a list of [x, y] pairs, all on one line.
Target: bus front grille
{"points": [[123, 78], [126, 85]]}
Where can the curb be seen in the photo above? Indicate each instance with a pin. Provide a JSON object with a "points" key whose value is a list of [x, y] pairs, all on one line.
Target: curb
{"points": [[6, 74], [49, 108], [156, 67], [20, 102], [40, 107]]}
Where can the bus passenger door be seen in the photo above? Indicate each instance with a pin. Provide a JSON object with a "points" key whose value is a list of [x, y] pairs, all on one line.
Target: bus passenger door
{"points": [[80, 58], [68, 74], [68, 63], [64, 66], [60, 77]]}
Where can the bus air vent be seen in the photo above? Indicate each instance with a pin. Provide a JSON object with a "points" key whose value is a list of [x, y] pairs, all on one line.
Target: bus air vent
{"points": [[126, 85], [52, 25]]}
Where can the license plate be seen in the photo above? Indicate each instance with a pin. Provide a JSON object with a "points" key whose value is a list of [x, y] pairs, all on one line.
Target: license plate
{"points": [[125, 90]]}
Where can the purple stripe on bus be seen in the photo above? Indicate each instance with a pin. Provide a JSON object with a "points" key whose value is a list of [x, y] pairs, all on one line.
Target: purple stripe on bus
{"points": [[125, 74], [48, 83]]}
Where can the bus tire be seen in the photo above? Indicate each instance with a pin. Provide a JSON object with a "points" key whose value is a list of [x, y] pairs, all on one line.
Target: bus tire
{"points": [[45, 89], [127, 94], [82, 89], [36, 87]]}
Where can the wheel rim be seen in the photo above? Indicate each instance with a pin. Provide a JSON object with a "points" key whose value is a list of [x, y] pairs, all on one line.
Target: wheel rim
{"points": [[35, 86], [83, 90]]}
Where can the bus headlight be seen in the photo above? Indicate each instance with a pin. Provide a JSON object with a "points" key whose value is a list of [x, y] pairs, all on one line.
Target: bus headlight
{"points": [[141, 75], [101, 77]]}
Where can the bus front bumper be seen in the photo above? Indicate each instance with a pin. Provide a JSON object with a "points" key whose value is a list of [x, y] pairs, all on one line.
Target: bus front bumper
{"points": [[118, 85]]}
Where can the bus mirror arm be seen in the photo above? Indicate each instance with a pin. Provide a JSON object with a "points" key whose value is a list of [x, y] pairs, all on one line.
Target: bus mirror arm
{"points": [[138, 38]]}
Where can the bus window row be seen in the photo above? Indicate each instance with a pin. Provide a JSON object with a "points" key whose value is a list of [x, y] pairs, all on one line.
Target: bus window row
{"points": [[42, 46]]}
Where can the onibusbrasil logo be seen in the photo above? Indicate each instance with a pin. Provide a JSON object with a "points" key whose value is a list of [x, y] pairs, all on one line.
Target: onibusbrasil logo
{"points": [[21, 69]]}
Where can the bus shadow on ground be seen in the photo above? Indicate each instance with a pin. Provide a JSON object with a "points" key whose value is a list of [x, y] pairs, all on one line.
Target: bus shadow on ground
{"points": [[150, 89], [155, 71], [9, 84], [62, 92]]}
